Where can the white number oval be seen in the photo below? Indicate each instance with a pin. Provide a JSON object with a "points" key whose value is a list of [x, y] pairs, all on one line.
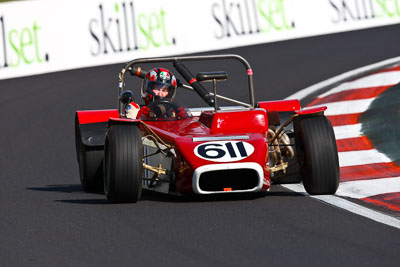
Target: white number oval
{"points": [[224, 151]]}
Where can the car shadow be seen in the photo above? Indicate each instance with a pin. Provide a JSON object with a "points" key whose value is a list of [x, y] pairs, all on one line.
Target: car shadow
{"points": [[62, 188], [94, 201], [160, 197], [276, 191], [72, 189]]}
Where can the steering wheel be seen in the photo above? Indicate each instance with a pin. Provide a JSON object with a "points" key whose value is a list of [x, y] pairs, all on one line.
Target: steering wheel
{"points": [[163, 109]]}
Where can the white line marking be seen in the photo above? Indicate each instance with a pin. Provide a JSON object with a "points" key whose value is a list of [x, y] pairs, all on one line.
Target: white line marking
{"points": [[344, 76], [379, 79], [349, 206], [361, 157], [347, 131], [367, 188], [347, 107]]}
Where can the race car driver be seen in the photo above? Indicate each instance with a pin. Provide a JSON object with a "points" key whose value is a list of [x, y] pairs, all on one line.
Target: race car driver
{"points": [[158, 92]]}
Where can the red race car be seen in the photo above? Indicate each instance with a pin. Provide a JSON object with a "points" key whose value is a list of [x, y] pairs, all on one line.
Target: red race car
{"points": [[213, 150]]}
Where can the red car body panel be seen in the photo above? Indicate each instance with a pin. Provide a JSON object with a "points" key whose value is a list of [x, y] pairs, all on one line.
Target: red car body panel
{"points": [[180, 133], [280, 105], [241, 121], [95, 116]]}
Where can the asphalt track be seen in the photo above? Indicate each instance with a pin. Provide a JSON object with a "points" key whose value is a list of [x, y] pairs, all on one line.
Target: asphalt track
{"points": [[48, 220]]}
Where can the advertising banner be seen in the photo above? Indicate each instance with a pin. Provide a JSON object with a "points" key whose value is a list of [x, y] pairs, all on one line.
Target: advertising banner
{"points": [[44, 36]]}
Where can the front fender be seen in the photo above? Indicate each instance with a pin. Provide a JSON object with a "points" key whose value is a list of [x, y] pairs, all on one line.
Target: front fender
{"points": [[91, 127], [280, 105], [311, 111]]}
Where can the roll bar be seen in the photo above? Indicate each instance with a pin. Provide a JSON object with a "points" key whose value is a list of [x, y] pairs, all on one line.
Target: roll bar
{"points": [[130, 65]]}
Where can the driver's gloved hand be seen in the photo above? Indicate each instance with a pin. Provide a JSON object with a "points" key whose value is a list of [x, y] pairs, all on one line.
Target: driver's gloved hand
{"points": [[181, 113], [132, 110], [144, 112]]}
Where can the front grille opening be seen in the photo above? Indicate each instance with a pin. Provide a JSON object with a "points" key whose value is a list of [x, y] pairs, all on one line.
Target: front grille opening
{"points": [[240, 179]]}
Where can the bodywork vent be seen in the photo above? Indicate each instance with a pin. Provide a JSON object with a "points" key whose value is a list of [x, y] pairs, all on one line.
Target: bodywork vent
{"points": [[228, 177], [236, 180]]}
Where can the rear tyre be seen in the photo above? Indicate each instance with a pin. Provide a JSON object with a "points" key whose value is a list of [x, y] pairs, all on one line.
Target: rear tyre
{"points": [[317, 153], [90, 165], [123, 164]]}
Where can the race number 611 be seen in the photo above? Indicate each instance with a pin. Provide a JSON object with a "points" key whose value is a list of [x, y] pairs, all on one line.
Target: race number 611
{"points": [[224, 151]]}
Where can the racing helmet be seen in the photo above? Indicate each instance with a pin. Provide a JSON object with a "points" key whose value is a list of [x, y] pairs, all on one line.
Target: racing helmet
{"points": [[158, 79]]}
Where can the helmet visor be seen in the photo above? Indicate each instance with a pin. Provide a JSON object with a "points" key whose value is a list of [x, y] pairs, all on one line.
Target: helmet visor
{"points": [[159, 86], [161, 89]]}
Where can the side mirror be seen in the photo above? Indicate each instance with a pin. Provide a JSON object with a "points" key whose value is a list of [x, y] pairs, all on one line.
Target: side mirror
{"points": [[209, 76], [126, 97]]}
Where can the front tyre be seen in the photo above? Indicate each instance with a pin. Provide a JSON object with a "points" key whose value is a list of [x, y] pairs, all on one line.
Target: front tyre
{"points": [[317, 153], [123, 164]]}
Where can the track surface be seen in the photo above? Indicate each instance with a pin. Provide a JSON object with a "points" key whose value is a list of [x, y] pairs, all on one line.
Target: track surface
{"points": [[48, 220]]}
